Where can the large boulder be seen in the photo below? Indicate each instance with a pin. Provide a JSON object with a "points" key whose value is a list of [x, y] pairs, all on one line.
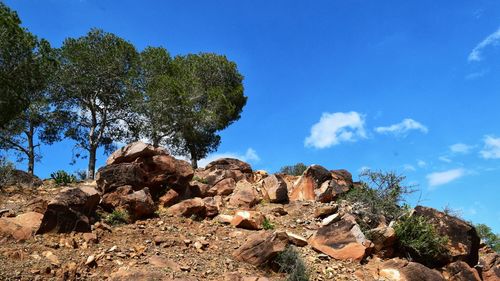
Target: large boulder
{"points": [[463, 240], [341, 240], [187, 208], [23, 179], [460, 271], [329, 190], [132, 151], [251, 220], [490, 264], [261, 247], [164, 170], [223, 187], [113, 176], [21, 227], [402, 270], [383, 239], [70, 210], [244, 196], [225, 168], [275, 189], [312, 178], [138, 204]]}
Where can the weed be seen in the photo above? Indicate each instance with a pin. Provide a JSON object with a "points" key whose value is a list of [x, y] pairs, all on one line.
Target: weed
{"points": [[290, 262], [117, 217], [62, 178], [267, 225]]}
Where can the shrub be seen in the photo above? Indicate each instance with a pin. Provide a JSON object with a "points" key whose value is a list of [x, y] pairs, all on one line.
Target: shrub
{"points": [[198, 179], [294, 170], [117, 217], [81, 175], [62, 178], [267, 225], [419, 240], [379, 194], [6, 171], [290, 262], [488, 237]]}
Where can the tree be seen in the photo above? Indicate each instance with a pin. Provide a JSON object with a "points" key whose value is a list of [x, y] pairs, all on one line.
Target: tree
{"points": [[199, 96], [16, 46], [488, 237], [96, 84], [38, 119], [294, 170]]}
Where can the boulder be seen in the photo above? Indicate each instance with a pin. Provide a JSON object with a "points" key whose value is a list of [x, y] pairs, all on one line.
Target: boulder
{"points": [[261, 247], [223, 187], [402, 270], [312, 178], [126, 273], [460, 271], [325, 211], [340, 183], [70, 210], [463, 240], [490, 264], [212, 206], [138, 204], [20, 228], [168, 199], [244, 196], [165, 170], [341, 240], [229, 164], [110, 177], [383, 239], [132, 151], [251, 220], [225, 168], [189, 207], [297, 240], [275, 189], [23, 179]]}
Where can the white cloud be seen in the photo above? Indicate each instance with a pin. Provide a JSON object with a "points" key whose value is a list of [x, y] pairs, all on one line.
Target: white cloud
{"points": [[475, 75], [440, 178], [402, 128], [364, 169], [409, 168], [491, 148], [492, 39], [249, 156], [334, 128], [421, 163], [444, 159], [461, 148]]}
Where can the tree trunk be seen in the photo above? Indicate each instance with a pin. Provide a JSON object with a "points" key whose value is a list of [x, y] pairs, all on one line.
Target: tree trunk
{"points": [[92, 160], [31, 150], [194, 160]]}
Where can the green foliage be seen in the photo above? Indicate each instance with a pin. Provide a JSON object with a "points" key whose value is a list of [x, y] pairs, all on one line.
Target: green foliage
{"points": [[379, 194], [290, 262], [294, 170], [6, 170], [488, 237], [419, 239], [267, 225], [62, 178], [97, 87], [117, 217], [198, 179]]}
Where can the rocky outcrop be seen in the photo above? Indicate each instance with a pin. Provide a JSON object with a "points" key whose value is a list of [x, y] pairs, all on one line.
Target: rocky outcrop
{"points": [[275, 189], [329, 190], [23, 179], [463, 241], [70, 210], [460, 271], [225, 168], [261, 247], [341, 240], [20, 228], [133, 151], [244, 196], [224, 187], [397, 269], [383, 239], [490, 264], [189, 207], [138, 204]]}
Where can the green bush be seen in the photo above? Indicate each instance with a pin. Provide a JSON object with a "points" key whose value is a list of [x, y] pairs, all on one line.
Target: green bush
{"points": [[62, 178], [117, 217], [290, 262], [419, 240], [6, 171], [267, 225], [380, 194], [295, 170], [198, 179], [488, 237]]}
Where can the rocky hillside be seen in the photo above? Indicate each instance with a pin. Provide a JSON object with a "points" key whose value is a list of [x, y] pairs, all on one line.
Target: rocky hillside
{"points": [[149, 216]]}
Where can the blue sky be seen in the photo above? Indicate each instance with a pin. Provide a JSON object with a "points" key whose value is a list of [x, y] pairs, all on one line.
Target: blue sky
{"points": [[408, 86]]}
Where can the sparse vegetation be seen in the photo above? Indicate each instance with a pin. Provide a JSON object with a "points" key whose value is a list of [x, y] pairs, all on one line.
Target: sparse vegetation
{"points": [[198, 179], [267, 225], [418, 239], [6, 169], [488, 237], [117, 217], [290, 262], [294, 170], [62, 177]]}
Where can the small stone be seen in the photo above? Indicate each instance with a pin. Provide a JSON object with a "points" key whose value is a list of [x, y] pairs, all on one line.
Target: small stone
{"points": [[90, 261], [328, 220]]}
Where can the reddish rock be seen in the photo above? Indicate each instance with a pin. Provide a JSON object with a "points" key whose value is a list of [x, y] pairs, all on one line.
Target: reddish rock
{"points": [[132, 151], [463, 239], [165, 170], [138, 204], [229, 164], [223, 187], [110, 177], [275, 189], [325, 211], [311, 179], [245, 196], [236, 276], [261, 247], [490, 264], [125, 273], [20, 228], [341, 240], [212, 206], [170, 198], [225, 168], [383, 239], [187, 208], [251, 220], [297, 240], [460, 271], [397, 269], [340, 183], [70, 210]]}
